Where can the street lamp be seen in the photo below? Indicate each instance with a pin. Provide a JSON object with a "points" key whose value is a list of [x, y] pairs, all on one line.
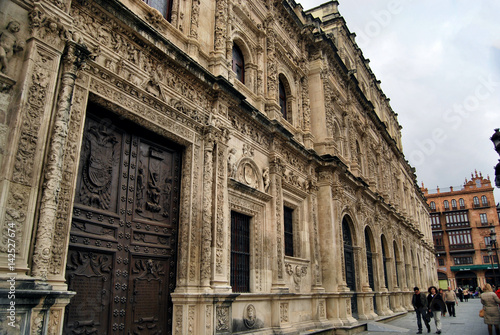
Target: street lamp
{"points": [[493, 244], [495, 138], [490, 253]]}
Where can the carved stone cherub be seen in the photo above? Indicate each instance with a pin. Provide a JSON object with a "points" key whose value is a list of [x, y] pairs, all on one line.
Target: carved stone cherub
{"points": [[9, 44]]}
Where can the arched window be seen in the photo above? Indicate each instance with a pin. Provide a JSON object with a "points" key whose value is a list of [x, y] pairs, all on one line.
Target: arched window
{"points": [[484, 200], [453, 204], [433, 205], [384, 262], [369, 263], [396, 256], [282, 97], [461, 202], [350, 272], [476, 201], [446, 205], [163, 6], [238, 63]]}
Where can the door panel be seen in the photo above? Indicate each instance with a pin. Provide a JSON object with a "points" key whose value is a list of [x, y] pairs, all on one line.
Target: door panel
{"points": [[122, 253]]}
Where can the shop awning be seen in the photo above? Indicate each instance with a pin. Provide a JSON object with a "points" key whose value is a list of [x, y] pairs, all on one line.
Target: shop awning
{"points": [[473, 267]]}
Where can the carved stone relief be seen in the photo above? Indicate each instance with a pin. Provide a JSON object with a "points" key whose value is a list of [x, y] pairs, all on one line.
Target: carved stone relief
{"points": [[250, 316], [10, 44], [222, 319], [284, 318], [297, 272]]}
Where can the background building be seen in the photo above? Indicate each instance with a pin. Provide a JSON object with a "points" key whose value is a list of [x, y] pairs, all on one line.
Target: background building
{"points": [[199, 167], [462, 220]]}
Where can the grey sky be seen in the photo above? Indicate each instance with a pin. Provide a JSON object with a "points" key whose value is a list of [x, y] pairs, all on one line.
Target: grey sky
{"points": [[439, 63]]}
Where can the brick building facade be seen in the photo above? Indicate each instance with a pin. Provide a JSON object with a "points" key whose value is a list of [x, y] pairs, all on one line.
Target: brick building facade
{"points": [[200, 167], [461, 221]]}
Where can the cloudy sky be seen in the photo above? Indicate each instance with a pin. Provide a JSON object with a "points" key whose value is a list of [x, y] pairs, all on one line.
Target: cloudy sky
{"points": [[439, 63]]}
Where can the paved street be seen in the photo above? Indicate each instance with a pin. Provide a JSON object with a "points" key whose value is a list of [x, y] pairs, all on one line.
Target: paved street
{"points": [[467, 322]]}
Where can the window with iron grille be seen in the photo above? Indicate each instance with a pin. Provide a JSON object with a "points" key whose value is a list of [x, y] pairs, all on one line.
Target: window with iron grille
{"points": [[487, 240], [475, 200], [459, 237], [238, 63], [446, 205], [163, 6], [461, 202], [283, 97], [484, 200], [456, 219], [441, 261], [462, 260], [240, 252], [288, 218], [453, 204], [433, 205], [490, 259], [438, 238], [484, 219], [435, 221]]}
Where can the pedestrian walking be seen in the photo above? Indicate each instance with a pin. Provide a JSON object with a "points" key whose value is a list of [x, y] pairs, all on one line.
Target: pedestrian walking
{"points": [[419, 302], [436, 307], [490, 302], [460, 294], [466, 295], [450, 298]]}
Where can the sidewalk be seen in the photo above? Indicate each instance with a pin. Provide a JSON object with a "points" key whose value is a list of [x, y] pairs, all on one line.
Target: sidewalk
{"points": [[467, 322]]}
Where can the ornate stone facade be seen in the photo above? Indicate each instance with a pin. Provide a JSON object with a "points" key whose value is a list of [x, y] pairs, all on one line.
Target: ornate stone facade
{"points": [[95, 95]]}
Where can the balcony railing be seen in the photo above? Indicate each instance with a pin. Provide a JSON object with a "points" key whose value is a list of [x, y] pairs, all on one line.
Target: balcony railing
{"points": [[482, 204], [439, 247], [461, 246], [480, 224], [458, 225]]}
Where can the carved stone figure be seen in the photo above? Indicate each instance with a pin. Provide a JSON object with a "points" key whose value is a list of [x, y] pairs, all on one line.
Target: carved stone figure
{"points": [[265, 179], [9, 44], [231, 163]]}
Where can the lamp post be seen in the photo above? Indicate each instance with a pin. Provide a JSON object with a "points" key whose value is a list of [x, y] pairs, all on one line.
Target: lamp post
{"points": [[490, 253], [493, 244], [495, 138]]}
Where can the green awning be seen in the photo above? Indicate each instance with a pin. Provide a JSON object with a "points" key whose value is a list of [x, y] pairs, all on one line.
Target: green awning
{"points": [[473, 267]]}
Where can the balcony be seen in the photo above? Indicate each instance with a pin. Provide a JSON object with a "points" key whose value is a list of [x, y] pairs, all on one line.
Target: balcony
{"points": [[480, 224], [466, 246], [483, 245], [436, 227], [439, 247], [482, 204]]}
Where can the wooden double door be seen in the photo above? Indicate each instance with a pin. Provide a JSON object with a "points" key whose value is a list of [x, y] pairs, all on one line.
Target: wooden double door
{"points": [[122, 251]]}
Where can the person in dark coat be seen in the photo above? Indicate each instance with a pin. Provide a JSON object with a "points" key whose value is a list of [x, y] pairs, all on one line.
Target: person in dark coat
{"points": [[436, 306], [419, 302]]}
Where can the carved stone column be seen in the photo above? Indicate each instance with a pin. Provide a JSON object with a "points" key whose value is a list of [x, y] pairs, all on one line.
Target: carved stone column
{"points": [[207, 215], [74, 57], [316, 261], [219, 66], [221, 214], [275, 172], [272, 107]]}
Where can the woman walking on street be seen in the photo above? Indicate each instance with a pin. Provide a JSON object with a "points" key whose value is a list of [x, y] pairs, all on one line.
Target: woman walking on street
{"points": [[490, 302], [436, 306]]}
